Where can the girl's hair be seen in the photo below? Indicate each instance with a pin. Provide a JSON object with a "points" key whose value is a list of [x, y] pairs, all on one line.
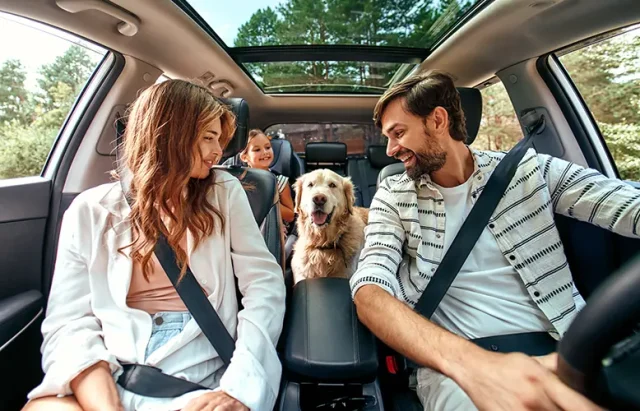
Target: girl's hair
{"points": [[253, 133], [164, 126]]}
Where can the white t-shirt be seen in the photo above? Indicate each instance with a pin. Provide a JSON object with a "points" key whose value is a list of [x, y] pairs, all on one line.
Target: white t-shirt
{"points": [[487, 297]]}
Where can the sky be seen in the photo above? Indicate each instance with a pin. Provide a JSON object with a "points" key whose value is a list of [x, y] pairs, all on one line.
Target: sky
{"points": [[224, 19], [36, 44]]}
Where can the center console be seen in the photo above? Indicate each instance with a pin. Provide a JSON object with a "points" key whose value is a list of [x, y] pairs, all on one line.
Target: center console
{"points": [[330, 359]]}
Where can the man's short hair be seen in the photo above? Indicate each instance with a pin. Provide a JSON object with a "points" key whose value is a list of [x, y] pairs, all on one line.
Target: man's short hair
{"points": [[422, 93]]}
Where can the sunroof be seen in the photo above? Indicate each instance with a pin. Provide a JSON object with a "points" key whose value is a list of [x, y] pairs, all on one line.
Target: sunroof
{"points": [[325, 76], [363, 43]]}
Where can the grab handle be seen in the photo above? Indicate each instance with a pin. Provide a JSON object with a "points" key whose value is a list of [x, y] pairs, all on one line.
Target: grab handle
{"points": [[128, 25]]}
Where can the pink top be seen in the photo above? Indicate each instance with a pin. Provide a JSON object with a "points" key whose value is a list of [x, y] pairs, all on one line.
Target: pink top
{"points": [[157, 294]]}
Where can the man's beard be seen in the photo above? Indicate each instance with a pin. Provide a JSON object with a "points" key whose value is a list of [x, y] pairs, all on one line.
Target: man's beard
{"points": [[430, 158]]}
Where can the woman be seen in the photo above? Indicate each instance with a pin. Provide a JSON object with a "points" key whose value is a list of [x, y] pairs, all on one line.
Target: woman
{"points": [[259, 154], [111, 302]]}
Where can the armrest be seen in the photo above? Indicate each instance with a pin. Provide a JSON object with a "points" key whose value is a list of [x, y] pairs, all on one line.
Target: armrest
{"points": [[326, 342]]}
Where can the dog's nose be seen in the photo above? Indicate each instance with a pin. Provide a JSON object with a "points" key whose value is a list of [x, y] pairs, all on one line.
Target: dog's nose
{"points": [[319, 199]]}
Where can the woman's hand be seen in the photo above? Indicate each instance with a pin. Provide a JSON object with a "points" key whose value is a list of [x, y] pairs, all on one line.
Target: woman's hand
{"points": [[215, 401]]}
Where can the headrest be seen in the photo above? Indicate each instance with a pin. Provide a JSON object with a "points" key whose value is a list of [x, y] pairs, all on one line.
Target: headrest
{"points": [[471, 101], [334, 152], [241, 110], [378, 156]]}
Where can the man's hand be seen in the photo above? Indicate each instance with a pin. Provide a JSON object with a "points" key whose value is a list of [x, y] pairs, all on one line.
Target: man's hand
{"points": [[517, 382], [215, 401]]}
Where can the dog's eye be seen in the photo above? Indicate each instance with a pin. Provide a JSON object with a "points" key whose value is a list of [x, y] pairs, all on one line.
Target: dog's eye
{"points": [[310, 185], [332, 185]]}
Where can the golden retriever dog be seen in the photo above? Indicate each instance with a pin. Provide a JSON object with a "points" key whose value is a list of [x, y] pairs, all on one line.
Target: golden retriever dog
{"points": [[330, 228]]}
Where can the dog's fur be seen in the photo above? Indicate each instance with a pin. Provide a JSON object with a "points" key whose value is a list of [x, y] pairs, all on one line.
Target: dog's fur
{"points": [[332, 248]]}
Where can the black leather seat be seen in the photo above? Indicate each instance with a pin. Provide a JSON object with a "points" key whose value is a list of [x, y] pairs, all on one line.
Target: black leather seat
{"points": [[364, 172], [259, 185], [285, 160], [331, 155]]}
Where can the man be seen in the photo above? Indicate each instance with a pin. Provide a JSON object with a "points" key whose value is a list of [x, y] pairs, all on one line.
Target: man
{"points": [[516, 279]]}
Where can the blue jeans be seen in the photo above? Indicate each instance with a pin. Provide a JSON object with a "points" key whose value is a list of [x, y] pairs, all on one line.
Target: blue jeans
{"points": [[166, 325]]}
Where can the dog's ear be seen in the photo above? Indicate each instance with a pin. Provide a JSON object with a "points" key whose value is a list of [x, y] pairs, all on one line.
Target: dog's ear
{"points": [[347, 186], [299, 184]]}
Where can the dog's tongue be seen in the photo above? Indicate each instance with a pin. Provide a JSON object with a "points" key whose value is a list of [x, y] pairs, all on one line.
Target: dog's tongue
{"points": [[319, 217]]}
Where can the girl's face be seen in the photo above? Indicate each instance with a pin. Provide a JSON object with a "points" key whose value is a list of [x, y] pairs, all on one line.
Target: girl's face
{"points": [[208, 151], [259, 153]]}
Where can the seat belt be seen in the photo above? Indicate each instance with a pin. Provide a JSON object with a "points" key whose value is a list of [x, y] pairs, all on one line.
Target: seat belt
{"points": [[472, 227], [285, 150], [364, 189], [151, 381]]}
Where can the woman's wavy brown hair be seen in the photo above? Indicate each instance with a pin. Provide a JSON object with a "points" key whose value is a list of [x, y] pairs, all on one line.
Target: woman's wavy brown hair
{"points": [[164, 125]]}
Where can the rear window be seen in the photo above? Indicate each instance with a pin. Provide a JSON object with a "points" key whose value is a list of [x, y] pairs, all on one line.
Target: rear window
{"points": [[357, 137]]}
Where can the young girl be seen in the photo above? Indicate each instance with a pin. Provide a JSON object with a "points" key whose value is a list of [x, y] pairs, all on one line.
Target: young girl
{"points": [[259, 154], [111, 302]]}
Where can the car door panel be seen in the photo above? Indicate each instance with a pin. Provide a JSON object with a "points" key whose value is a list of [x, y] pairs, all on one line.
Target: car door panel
{"points": [[24, 209]]}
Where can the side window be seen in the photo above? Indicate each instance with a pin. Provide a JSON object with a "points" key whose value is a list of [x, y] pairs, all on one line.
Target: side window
{"points": [[607, 75], [357, 137], [499, 127], [42, 72]]}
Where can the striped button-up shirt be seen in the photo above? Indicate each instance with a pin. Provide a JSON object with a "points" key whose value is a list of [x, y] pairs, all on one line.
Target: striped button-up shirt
{"points": [[405, 235]]}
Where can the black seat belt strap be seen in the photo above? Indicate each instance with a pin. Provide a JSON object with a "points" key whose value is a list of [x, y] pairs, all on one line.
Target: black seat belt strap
{"points": [[286, 153], [196, 301]]}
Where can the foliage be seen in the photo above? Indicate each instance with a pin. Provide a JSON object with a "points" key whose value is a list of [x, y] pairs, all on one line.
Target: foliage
{"points": [[607, 75], [404, 23], [499, 129], [13, 95], [31, 120], [623, 142]]}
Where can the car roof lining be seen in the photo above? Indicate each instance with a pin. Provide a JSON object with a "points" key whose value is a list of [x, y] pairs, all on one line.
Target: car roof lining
{"points": [[502, 34]]}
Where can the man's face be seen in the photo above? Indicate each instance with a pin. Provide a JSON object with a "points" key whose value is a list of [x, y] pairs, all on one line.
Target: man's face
{"points": [[411, 140]]}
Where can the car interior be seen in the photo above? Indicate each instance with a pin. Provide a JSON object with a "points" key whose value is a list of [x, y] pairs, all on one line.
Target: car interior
{"points": [[315, 120]]}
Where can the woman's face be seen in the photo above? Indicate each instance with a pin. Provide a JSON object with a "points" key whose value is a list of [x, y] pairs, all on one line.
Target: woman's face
{"points": [[259, 154], [208, 151]]}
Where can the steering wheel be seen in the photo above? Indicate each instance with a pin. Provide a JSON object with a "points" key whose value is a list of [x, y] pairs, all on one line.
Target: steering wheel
{"points": [[584, 353]]}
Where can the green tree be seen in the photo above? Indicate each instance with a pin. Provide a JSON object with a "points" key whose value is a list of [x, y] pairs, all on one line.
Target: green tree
{"points": [[26, 139], [13, 95], [261, 30], [72, 68], [499, 128], [607, 74], [361, 22], [24, 149]]}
